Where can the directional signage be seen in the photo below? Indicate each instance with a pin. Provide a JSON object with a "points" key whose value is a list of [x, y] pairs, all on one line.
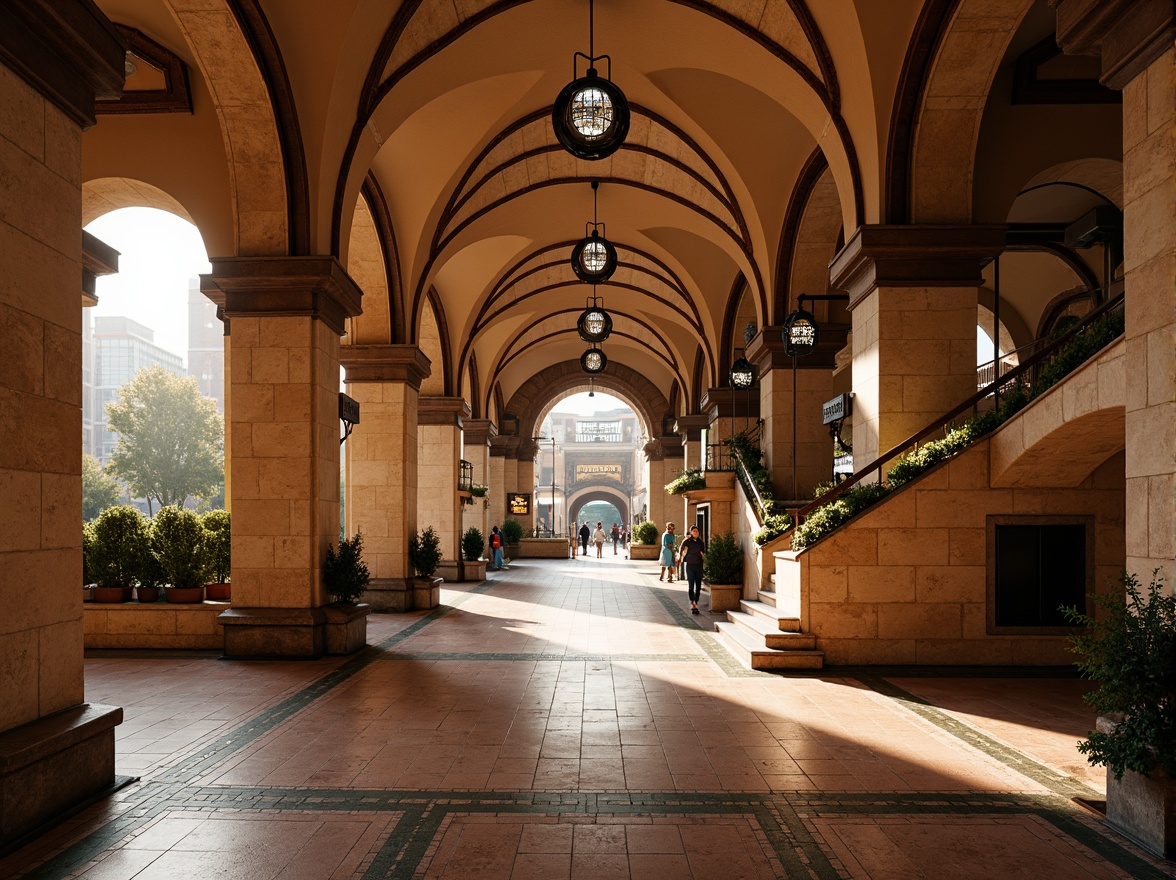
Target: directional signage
{"points": [[840, 407]]}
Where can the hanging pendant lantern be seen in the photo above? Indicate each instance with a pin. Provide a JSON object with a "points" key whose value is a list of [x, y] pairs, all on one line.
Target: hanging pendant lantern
{"points": [[593, 361], [595, 324], [742, 374], [591, 114], [801, 332], [594, 259]]}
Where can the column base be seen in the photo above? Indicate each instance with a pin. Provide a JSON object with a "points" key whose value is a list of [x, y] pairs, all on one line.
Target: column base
{"points": [[51, 765], [274, 633]]}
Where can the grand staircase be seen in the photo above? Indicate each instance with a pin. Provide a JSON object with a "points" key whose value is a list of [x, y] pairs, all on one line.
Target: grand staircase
{"points": [[761, 635]]}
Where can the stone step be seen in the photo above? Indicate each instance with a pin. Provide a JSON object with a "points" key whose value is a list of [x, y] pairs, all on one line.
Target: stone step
{"points": [[767, 597], [770, 613], [771, 635], [751, 652]]}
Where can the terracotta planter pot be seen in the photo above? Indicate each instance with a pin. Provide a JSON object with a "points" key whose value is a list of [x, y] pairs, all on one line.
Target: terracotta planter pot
{"points": [[184, 595], [147, 594], [113, 594], [218, 592]]}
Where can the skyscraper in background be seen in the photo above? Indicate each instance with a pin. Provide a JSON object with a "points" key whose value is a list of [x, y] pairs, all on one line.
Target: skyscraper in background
{"points": [[206, 345]]}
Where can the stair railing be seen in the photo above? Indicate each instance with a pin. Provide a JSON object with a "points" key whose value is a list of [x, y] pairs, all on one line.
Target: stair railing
{"points": [[1025, 372]]}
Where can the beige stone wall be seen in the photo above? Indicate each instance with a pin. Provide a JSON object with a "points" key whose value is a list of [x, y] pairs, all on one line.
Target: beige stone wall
{"points": [[497, 494], [658, 476], [914, 359], [285, 462], [154, 626], [40, 399], [438, 454], [905, 582], [382, 475], [1149, 195], [814, 448]]}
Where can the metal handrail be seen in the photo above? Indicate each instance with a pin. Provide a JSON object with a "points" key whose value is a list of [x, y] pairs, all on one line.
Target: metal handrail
{"points": [[972, 403]]}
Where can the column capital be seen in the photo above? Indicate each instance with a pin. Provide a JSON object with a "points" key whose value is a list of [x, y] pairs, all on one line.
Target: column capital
{"points": [[766, 350], [443, 411], [478, 432], [504, 446], [314, 286], [65, 49], [1128, 35], [881, 255], [527, 449], [385, 363], [727, 403], [98, 258], [690, 427]]}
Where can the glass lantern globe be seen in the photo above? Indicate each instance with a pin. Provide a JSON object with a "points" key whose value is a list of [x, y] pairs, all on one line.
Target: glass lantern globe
{"points": [[801, 333], [593, 361], [595, 324], [594, 259], [591, 117], [742, 374]]}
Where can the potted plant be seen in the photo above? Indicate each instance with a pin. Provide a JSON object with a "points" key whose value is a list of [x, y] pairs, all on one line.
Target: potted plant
{"points": [[478, 490], [177, 538], [218, 551], [512, 533], [151, 578], [424, 555], [472, 544], [1130, 650], [722, 571], [644, 543], [119, 544], [345, 576]]}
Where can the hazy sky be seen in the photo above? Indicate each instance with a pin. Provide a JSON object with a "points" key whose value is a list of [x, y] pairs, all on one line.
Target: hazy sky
{"points": [[158, 254], [583, 405]]}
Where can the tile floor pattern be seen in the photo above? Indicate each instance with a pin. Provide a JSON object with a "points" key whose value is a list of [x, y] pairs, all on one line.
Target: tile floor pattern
{"points": [[570, 719]]}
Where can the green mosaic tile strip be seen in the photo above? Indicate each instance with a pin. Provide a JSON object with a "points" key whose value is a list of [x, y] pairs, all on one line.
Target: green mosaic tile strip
{"points": [[1066, 786]]}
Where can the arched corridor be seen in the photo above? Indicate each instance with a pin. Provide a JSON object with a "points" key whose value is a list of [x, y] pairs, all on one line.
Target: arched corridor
{"points": [[570, 719]]}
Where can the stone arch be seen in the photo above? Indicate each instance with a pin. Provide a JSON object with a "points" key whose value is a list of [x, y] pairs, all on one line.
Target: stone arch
{"points": [[813, 234], [105, 194], [365, 264], [951, 62], [581, 497], [259, 145], [535, 397]]}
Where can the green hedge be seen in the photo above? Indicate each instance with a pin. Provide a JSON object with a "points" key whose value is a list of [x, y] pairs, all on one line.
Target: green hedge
{"points": [[775, 525], [645, 533], [826, 518], [689, 480]]}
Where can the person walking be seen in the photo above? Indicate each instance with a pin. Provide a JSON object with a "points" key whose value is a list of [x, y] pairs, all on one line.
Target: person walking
{"points": [[585, 534], [667, 553], [598, 540], [693, 553], [496, 561], [616, 537]]}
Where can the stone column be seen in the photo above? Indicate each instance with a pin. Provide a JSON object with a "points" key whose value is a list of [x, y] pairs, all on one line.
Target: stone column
{"points": [[814, 386], [1135, 43], [525, 479], [913, 293], [209, 289], [476, 443], [661, 466], [689, 428], [439, 435], [288, 314], [382, 464], [497, 480], [55, 750]]}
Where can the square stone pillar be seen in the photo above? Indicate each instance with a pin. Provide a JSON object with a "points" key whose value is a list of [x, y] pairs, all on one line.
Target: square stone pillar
{"points": [[525, 480], [913, 293], [287, 316], [477, 434], [382, 464], [497, 480], [662, 461], [1135, 44], [814, 386], [730, 412], [439, 435], [55, 750]]}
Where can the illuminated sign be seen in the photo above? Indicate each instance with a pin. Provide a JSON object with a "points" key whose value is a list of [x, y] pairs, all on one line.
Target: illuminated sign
{"points": [[519, 503], [586, 473]]}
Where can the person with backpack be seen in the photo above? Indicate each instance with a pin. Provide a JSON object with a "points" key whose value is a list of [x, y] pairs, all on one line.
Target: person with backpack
{"points": [[496, 549]]}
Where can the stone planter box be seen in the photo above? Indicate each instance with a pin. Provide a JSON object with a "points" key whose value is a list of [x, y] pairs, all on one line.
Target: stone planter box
{"points": [[542, 548], [1143, 808], [389, 595], [643, 551], [346, 627], [154, 625], [474, 572], [725, 597], [426, 593]]}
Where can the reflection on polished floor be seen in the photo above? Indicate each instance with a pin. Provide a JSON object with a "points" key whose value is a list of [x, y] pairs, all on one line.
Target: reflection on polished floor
{"points": [[570, 719]]}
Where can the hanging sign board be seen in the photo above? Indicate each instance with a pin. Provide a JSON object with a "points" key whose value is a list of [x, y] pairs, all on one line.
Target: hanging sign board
{"points": [[348, 409], [837, 409]]}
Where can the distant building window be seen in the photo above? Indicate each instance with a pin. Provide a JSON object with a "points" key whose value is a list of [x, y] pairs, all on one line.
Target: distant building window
{"points": [[1037, 566]]}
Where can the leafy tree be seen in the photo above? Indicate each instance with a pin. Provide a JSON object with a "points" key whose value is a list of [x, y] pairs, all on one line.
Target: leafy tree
{"points": [[171, 438], [99, 489]]}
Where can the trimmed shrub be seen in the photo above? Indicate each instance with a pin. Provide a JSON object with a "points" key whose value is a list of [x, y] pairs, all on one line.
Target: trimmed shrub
{"points": [[345, 574], [424, 551], [774, 526], [218, 543], [177, 538], [512, 531], [645, 533], [689, 480], [724, 561], [472, 543], [119, 547]]}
